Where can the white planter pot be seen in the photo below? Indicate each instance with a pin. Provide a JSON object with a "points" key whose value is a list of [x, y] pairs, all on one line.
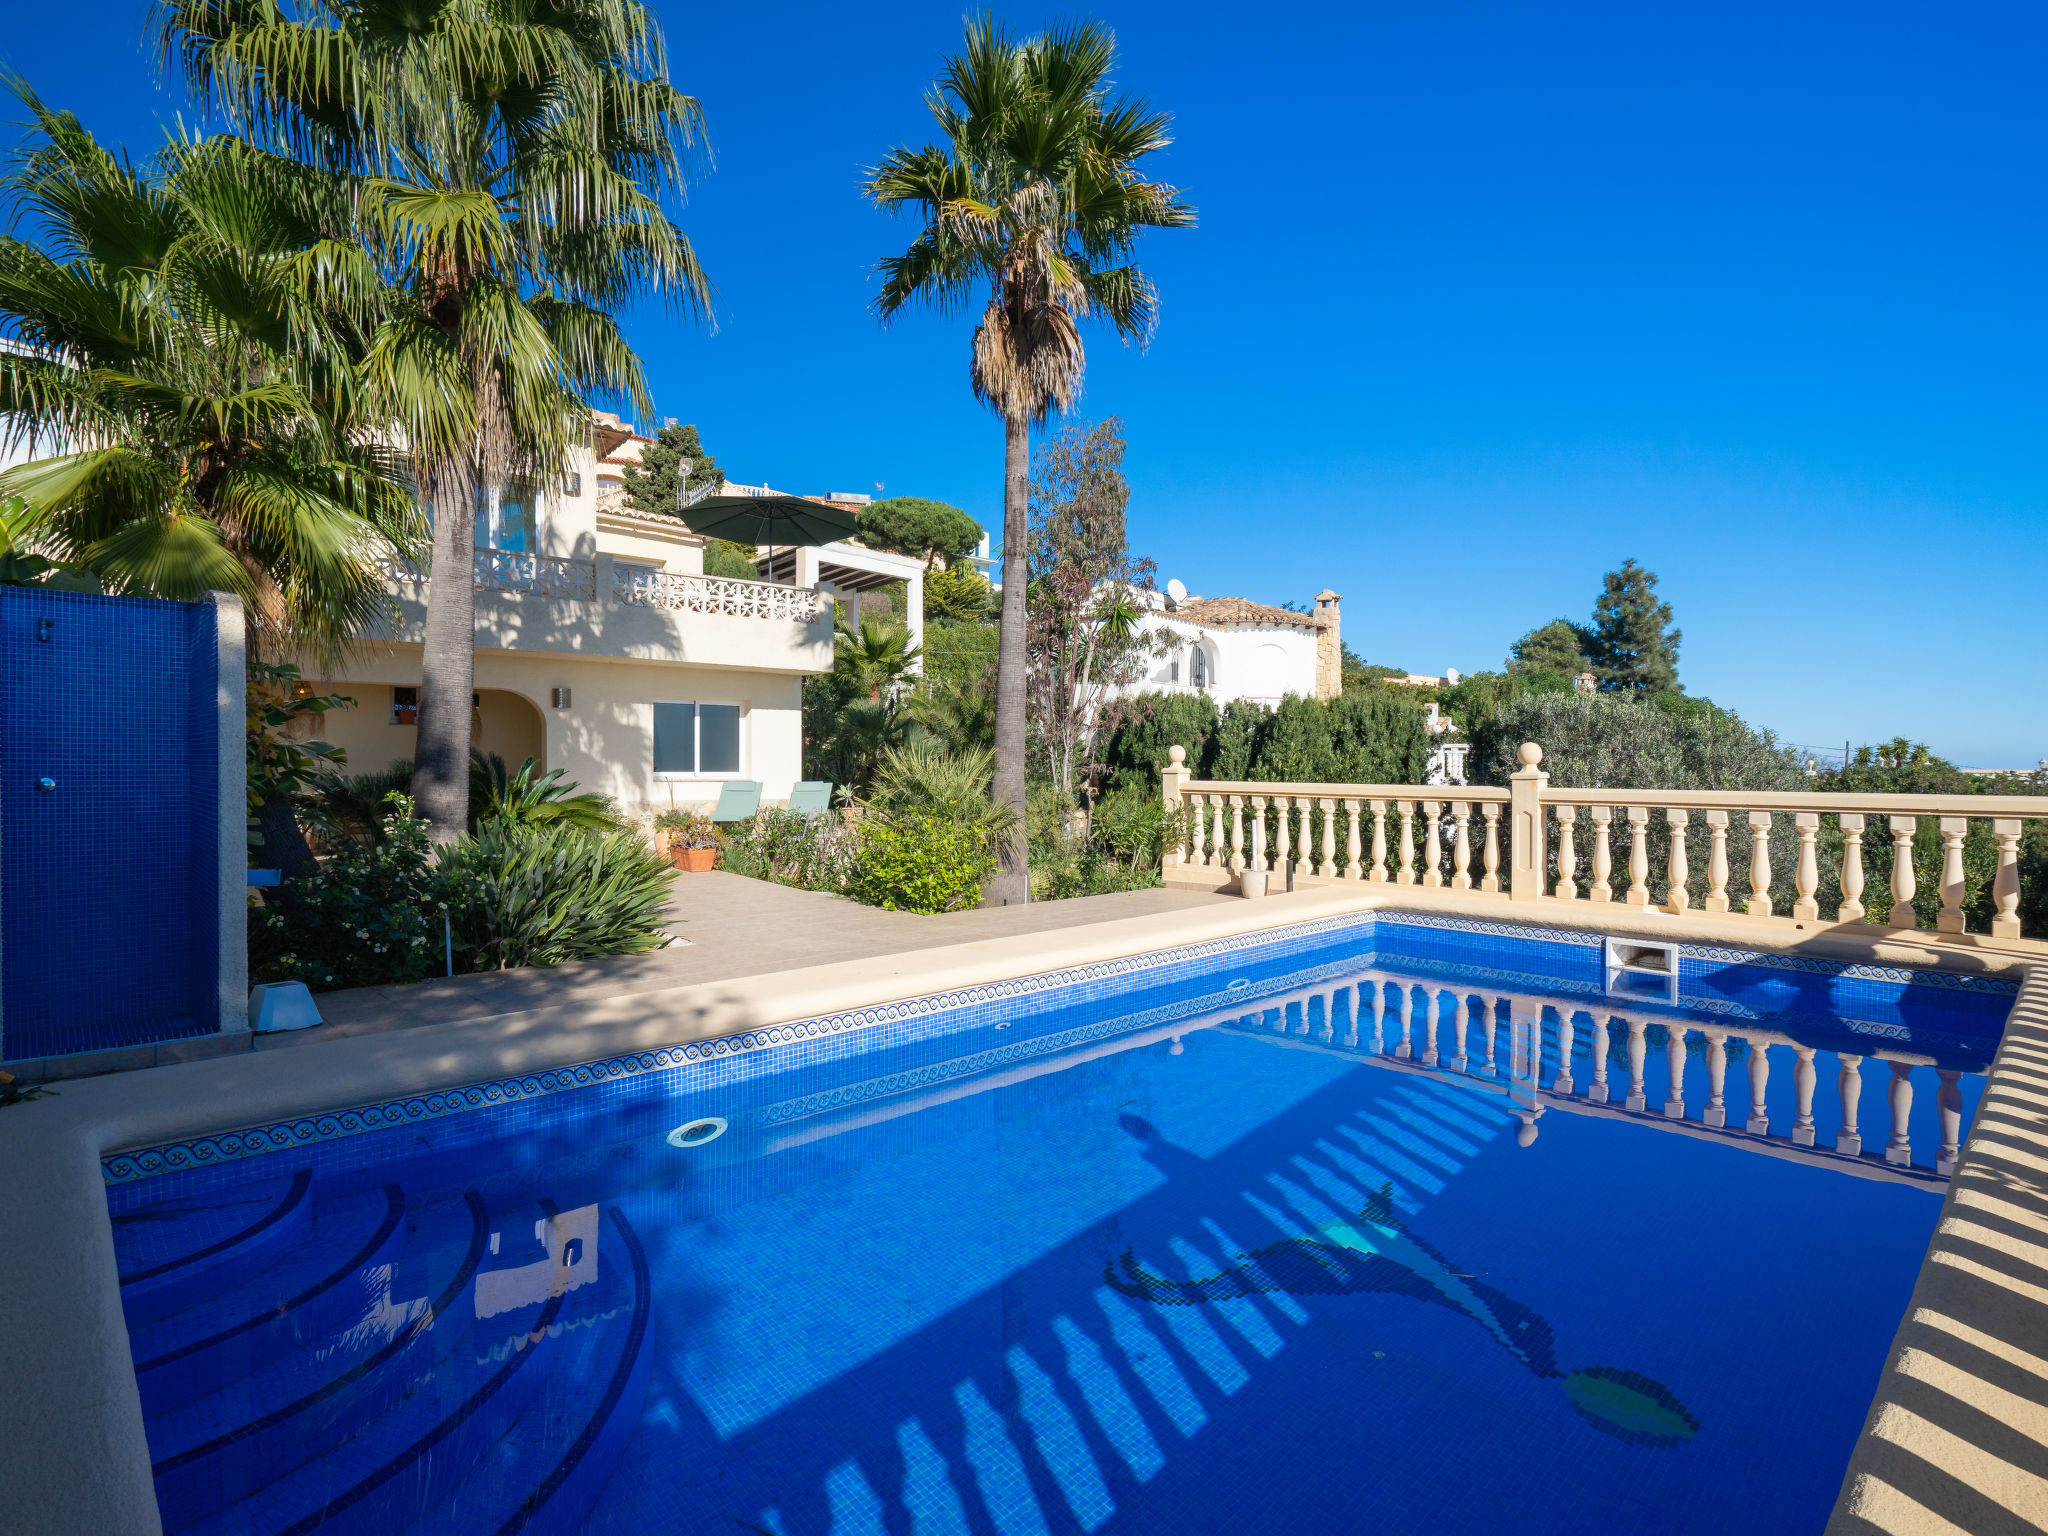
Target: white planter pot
{"points": [[1251, 882]]}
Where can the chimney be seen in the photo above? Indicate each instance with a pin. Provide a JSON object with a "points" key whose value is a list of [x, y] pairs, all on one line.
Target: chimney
{"points": [[1329, 647]]}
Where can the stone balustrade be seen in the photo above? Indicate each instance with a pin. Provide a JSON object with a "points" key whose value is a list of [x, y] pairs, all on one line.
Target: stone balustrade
{"points": [[1544, 1053], [497, 570], [1533, 841]]}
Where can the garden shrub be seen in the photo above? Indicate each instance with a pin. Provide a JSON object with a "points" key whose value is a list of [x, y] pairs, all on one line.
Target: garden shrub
{"points": [[811, 853], [1137, 753], [539, 894], [366, 916], [919, 863]]}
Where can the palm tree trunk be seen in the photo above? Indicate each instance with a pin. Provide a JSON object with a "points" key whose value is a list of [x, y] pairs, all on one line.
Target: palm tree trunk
{"points": [[1012, 883], [440, 775]]}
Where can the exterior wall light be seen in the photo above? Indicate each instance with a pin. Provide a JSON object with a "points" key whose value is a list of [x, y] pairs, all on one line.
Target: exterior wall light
{"points": [[561, 698]]}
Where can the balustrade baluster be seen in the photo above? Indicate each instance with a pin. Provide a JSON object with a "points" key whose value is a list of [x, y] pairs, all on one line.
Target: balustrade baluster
{"points": [[1596, 1091], [1257, 804], [1716, 1112], [1236, 834], [1759, 904], [1432, 845], [1406, 874], [1328, 868], [1852, 909], [1603, 856], [1354, 862], [1717, 863], [1563, 1083], [1379, 843], [1903, 882], [1638, 1047], [1490, 881], [1803, 1079], [1949, 1101], [2005, 886], [1899, 1149], [1219, 832], [1849, 1140], [1674, 1066], [1639, 856], [1952, 830], [1429, 1006], [1458, 1021], [1284, 805], [1461, 847], [1567, 856], [1759, 1080], [1807, 878], [1678, 898]]}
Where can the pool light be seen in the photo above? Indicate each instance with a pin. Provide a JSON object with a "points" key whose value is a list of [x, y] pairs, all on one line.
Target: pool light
{"points": [[697, 1132]]}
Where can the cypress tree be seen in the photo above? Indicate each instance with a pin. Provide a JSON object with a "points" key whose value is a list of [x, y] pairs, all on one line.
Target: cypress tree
{"points": [[651, 484], [1633, 648]]}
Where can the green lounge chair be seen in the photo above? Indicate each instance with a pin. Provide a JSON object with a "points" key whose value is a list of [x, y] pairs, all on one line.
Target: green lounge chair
{"points": [[813, 797], [738, 800]]}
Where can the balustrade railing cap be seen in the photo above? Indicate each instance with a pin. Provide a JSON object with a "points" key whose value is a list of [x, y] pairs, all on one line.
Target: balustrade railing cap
{"points": [[1529, 753]]}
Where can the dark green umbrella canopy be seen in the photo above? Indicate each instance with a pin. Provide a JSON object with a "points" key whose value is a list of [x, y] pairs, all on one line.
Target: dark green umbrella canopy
{"points": [[782, 520]]}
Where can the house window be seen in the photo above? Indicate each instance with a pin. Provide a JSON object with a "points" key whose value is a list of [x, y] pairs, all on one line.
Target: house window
{"points": [[1198, 669], [695, 740], [505, 518], [405, 706], [1173, 668]]}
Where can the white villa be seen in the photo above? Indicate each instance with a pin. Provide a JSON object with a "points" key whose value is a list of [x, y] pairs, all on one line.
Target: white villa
{"points": [[1234, 648], [603, 650]]}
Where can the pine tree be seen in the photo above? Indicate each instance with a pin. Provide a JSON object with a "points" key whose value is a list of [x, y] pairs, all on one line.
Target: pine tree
{"points": [[1633, 648], [651, 484], [1560, 646]]}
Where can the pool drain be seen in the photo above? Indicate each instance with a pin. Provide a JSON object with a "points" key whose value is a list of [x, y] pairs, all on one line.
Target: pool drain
{"points": [[697, 1132]]}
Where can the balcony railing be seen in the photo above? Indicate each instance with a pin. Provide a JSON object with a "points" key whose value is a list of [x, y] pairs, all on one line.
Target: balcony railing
{"points": [[496, 570], [1524, 843]]}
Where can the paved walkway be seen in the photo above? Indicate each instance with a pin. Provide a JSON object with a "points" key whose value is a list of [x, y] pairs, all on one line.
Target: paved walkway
{"points": [[729, 926]]}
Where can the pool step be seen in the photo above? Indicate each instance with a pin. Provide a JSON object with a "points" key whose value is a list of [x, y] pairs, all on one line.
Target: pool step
{"points": [[166, 1250], [453, 1370]]}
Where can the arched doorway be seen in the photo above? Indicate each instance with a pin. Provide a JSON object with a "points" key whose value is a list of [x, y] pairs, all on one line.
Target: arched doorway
{"points": [[508, 725]]}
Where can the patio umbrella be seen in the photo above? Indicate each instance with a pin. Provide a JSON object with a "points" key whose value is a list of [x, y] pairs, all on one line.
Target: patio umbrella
{"points": [[763, 520]]}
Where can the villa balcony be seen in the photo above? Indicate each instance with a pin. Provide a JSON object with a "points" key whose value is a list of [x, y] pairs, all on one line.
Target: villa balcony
{"points": [[598, 607]]}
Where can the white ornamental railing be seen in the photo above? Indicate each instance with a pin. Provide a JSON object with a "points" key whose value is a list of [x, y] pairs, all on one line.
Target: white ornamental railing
{"points": [[499, 570], [716, 594], [1523, 843]]}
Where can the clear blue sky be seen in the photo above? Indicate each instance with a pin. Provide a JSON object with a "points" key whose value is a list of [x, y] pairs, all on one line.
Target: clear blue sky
{"points": [[1484, 299]]}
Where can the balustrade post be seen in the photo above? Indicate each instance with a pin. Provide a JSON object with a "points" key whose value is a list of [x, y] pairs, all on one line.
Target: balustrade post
{"points": [[1405, 875], [1567, 856], [1603, 856], [1949, 1101], [1759, 1080], [1461, 847], [1952, 830], [1563, 1082], [2005, 885], [1899, 1148], [1173, 783], [1490, 881], [1379, 843], [1458, 1057], [1717, 863], [1432, 845], [1638, 1046], [1849, 1140], [1596, 1091], [1354, 863], [1852, 908], [1639, 856], [1903, 881], [1328, 868], [1678, 898], [1526, 842], [1806, 878], [1759, 904], [1716, 1112], [1257, 803], [1674, 1067], [1803, 1080], [1236, 865]]}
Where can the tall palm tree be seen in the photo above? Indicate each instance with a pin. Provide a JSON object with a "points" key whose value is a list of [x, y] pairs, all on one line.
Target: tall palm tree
{"points": [[1034, 193], [188, 335], [512, 164]]}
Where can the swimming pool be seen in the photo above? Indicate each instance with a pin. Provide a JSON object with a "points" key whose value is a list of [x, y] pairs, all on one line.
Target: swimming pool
{"points": [[1394, 1221]]}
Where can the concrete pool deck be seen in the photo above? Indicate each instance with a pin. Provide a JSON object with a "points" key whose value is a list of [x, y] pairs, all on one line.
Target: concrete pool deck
{"points": [[72, 1447]]}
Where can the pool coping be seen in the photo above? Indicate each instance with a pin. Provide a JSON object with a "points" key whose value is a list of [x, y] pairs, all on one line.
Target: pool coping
{"points": [[71, 1429]]}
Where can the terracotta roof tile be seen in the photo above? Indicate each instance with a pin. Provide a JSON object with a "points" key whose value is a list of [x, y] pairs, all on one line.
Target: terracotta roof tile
{"points": [[1230, 612]]}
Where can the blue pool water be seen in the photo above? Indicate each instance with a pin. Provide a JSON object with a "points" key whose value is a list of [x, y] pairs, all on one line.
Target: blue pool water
{"points": [[1238, 1240]]}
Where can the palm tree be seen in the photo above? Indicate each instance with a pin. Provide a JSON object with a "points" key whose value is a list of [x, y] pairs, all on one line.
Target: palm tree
{"points": [[188, 336], [1034, 192], [875, 657], [511, 165]]}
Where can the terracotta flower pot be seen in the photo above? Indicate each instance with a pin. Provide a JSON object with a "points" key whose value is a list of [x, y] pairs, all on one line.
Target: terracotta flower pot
{"points": [[696, 860], [405, 716]]}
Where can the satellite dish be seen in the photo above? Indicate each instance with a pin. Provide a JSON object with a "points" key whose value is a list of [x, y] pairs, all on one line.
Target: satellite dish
{"points": [[1176, 590]]}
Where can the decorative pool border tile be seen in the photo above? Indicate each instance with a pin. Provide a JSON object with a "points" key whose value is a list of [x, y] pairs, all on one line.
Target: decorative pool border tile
{"points": [[308, 1130], [1989, 986]]}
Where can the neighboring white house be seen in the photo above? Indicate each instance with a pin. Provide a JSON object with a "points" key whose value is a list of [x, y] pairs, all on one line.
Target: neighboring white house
{"points": [[1233, 648]]}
